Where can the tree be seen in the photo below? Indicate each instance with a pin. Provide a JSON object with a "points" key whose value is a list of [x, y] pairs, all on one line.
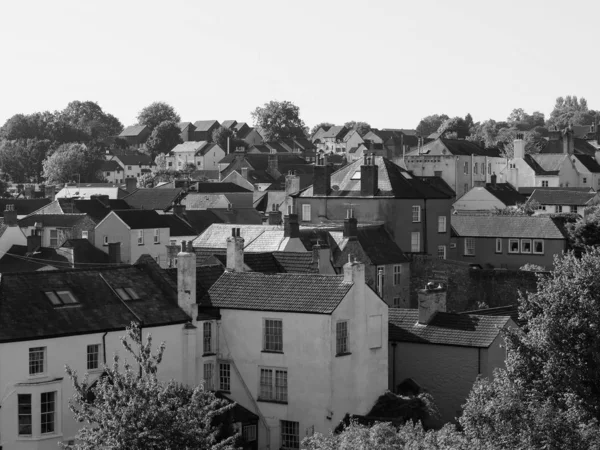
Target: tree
{"points": [[430, 124], [570, 111], [164, 138], [361, 127], [522, 121], [586, 230], [325, 125], [22, 160], [89, 119], [454, 127], [129, 408], [278, 120], [156, 113], [73, 162], [41, 126], [528, 208], [549, 394], [220, 136]]}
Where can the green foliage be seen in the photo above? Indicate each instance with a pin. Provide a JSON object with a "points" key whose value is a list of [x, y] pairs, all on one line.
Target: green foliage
{"points": [[520, 209], [532, 268], [570, 111], [361, 127], [164, 138], [220, 136], [278, 120], [89, 120], [430, 124], [22, 159], [455, 127], [156, 113], [133, 410], [325, 125], [586, 230], [73, 162]]}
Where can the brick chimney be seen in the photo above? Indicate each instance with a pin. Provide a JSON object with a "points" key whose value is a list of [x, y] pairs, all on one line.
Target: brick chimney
{"points": [[50, 192], [350, 226], [292, 183], [316, 249], [554, 134], [130, 184], [186, 279], [274, 216], [235, 251], [369, 177], [291, 227], [245, 173], [322, 177], [354, 271], [114, 252], [431, 300], [519, 146], [568, 141], [10, 216], [34, 242]]}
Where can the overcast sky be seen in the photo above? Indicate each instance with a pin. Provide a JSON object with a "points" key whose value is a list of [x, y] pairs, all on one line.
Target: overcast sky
{"points": [[389, 63]]}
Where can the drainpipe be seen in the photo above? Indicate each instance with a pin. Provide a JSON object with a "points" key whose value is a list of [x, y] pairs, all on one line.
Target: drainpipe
{"points": [[394, 367], [104, 345], [472, 174], [479, 361], [425, 226]]}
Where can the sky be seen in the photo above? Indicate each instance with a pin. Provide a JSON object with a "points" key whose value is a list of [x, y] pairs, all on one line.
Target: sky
{"points": [[387, 62]]}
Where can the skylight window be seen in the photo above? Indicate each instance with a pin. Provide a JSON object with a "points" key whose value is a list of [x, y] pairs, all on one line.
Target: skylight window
{"points": [[127, 294], [406, 175], [356, 175], [61, 297]]}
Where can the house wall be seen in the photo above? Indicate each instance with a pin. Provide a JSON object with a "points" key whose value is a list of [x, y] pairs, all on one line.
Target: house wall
{"points": [[64, 233], [211, 158], [11, 236], [485, 253], [478, 198], [114, 176], [63, 351], [116, 231], [158, 251], [237, 178], [390, 290]]}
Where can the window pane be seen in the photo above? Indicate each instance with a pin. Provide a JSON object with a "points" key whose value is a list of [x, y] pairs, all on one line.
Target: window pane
{"points": [[122, 294], [290, 435], [281, 385], [208, 376], [93, 352], [47, 407], [53, 298], [266, 384], [207, 337], [66, 297], [24, 412], [273, 337], [249, 433], [224, 377], [36, 360], [341, 334]]}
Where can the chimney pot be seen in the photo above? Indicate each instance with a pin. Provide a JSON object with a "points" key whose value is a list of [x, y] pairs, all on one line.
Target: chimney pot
{"points": [[186, 280], [235, 252], [432, 299]]}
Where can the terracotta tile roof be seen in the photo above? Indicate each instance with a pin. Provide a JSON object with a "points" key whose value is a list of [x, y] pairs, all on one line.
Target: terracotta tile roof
{"points": [[133, 130], [393, 181], [142, 219], [161, 199], [506, 226], [445, 328], [52, 220], [23, 206], [296, 262], [301, 293], [561, 197], [26, 313]]}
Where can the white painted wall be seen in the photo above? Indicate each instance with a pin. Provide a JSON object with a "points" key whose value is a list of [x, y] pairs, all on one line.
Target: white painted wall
{"points": [[478, 198], [11, 236]]}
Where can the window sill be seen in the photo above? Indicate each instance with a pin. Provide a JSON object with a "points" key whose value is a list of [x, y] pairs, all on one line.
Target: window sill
{"points": [[339, 355], [41, 437], [469, 256], [265, 400], [272, 351], [208, 354]]}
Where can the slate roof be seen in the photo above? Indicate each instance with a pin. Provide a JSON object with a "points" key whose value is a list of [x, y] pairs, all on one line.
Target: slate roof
{"points": [[200, 219], [335, 132], [134, 159], [512, 311], [506, 226], [142, 219], [26, 313], [373, 242], [393, 181], [161, 199], [296, 262], [505, 193], [190, 146], [23, 206], [290, 292], [133, 130], [545, 164], [271, 262], [183, 125], [52, 220], [205, 125], [196, 201], [110, 166], [589, 162], [96, 209], [228, 123], [260, 161], [561, 197], [206, 276], [206, 187], [445, 328], [580, 146], [458, 147], [178, 226], [439, 184], [241, 216]]}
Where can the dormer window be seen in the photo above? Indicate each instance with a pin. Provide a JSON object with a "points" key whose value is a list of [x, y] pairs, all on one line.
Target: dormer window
{"points": [[127, 294], [61, 297]]}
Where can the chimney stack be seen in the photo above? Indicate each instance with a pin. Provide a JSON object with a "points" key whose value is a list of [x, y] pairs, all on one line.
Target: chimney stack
{"points": [[432, 299], [186, 279], [34, 242], [272, 167], [29, 189], [50, 192], [291, 227], [350, 226], [316, 249], [274, 216], [292, 183], [380, 282], [354, 271], [568, 141], [245, 173], [322, 177], [235, 251], [114, 252], [519, 147], [369, 177], [10, 216], [130, 184]]}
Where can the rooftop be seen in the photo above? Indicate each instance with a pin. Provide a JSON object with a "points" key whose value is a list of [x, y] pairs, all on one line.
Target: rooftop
{"points": [[158, 199], [142, 219], [23, 206], [506, 226], [52, 220], [505, 193], [561, 197], [133, 130]]}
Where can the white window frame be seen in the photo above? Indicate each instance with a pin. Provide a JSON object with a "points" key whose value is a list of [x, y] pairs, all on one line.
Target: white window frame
{"points": [[510, 242], [208, 372], [342, 338], [55, 238], [272, 339], [84, 234], [416, 213], [25, 414], [559, 209], [442, 227], [140, 237], [157, 235], [441, 252], [92, 356], [575, 209], [523, 242], [290, 435], [415, 242], [306, 213], [50, 415], [273, 384], [469, 249], [249, 433], [544, 183], [34, 353], [224, 376], [397, 274], [533, 246], [207, 344], [498, 245]]}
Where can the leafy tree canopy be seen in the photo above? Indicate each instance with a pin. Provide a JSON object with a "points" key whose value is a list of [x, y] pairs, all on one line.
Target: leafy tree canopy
{"points": [[521, 209], [220, 136], [586, 230], [361, 127], [278, 120], [570, 111], [89, 119], [73, 162], [22, 160], [133, 409], [156, 113], [430, 124], [163, 138], [455, 127]]}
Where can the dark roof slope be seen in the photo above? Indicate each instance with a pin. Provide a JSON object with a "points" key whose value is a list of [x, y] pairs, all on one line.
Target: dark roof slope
{"points": [[26, 313], [178, 226], [200, 220], [52, 220], [445, 328], [512, 311], [95, 208], [561, 197], [134, 158], [302, 293], [507, 226], [23, 206], [205, 125], [296, 262], [206, 276], [132, 130], [505, 193], [589, 162], [211, 188], [580, 146], [464, 147], [379, 246], [153, 198], [142, 219]]}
